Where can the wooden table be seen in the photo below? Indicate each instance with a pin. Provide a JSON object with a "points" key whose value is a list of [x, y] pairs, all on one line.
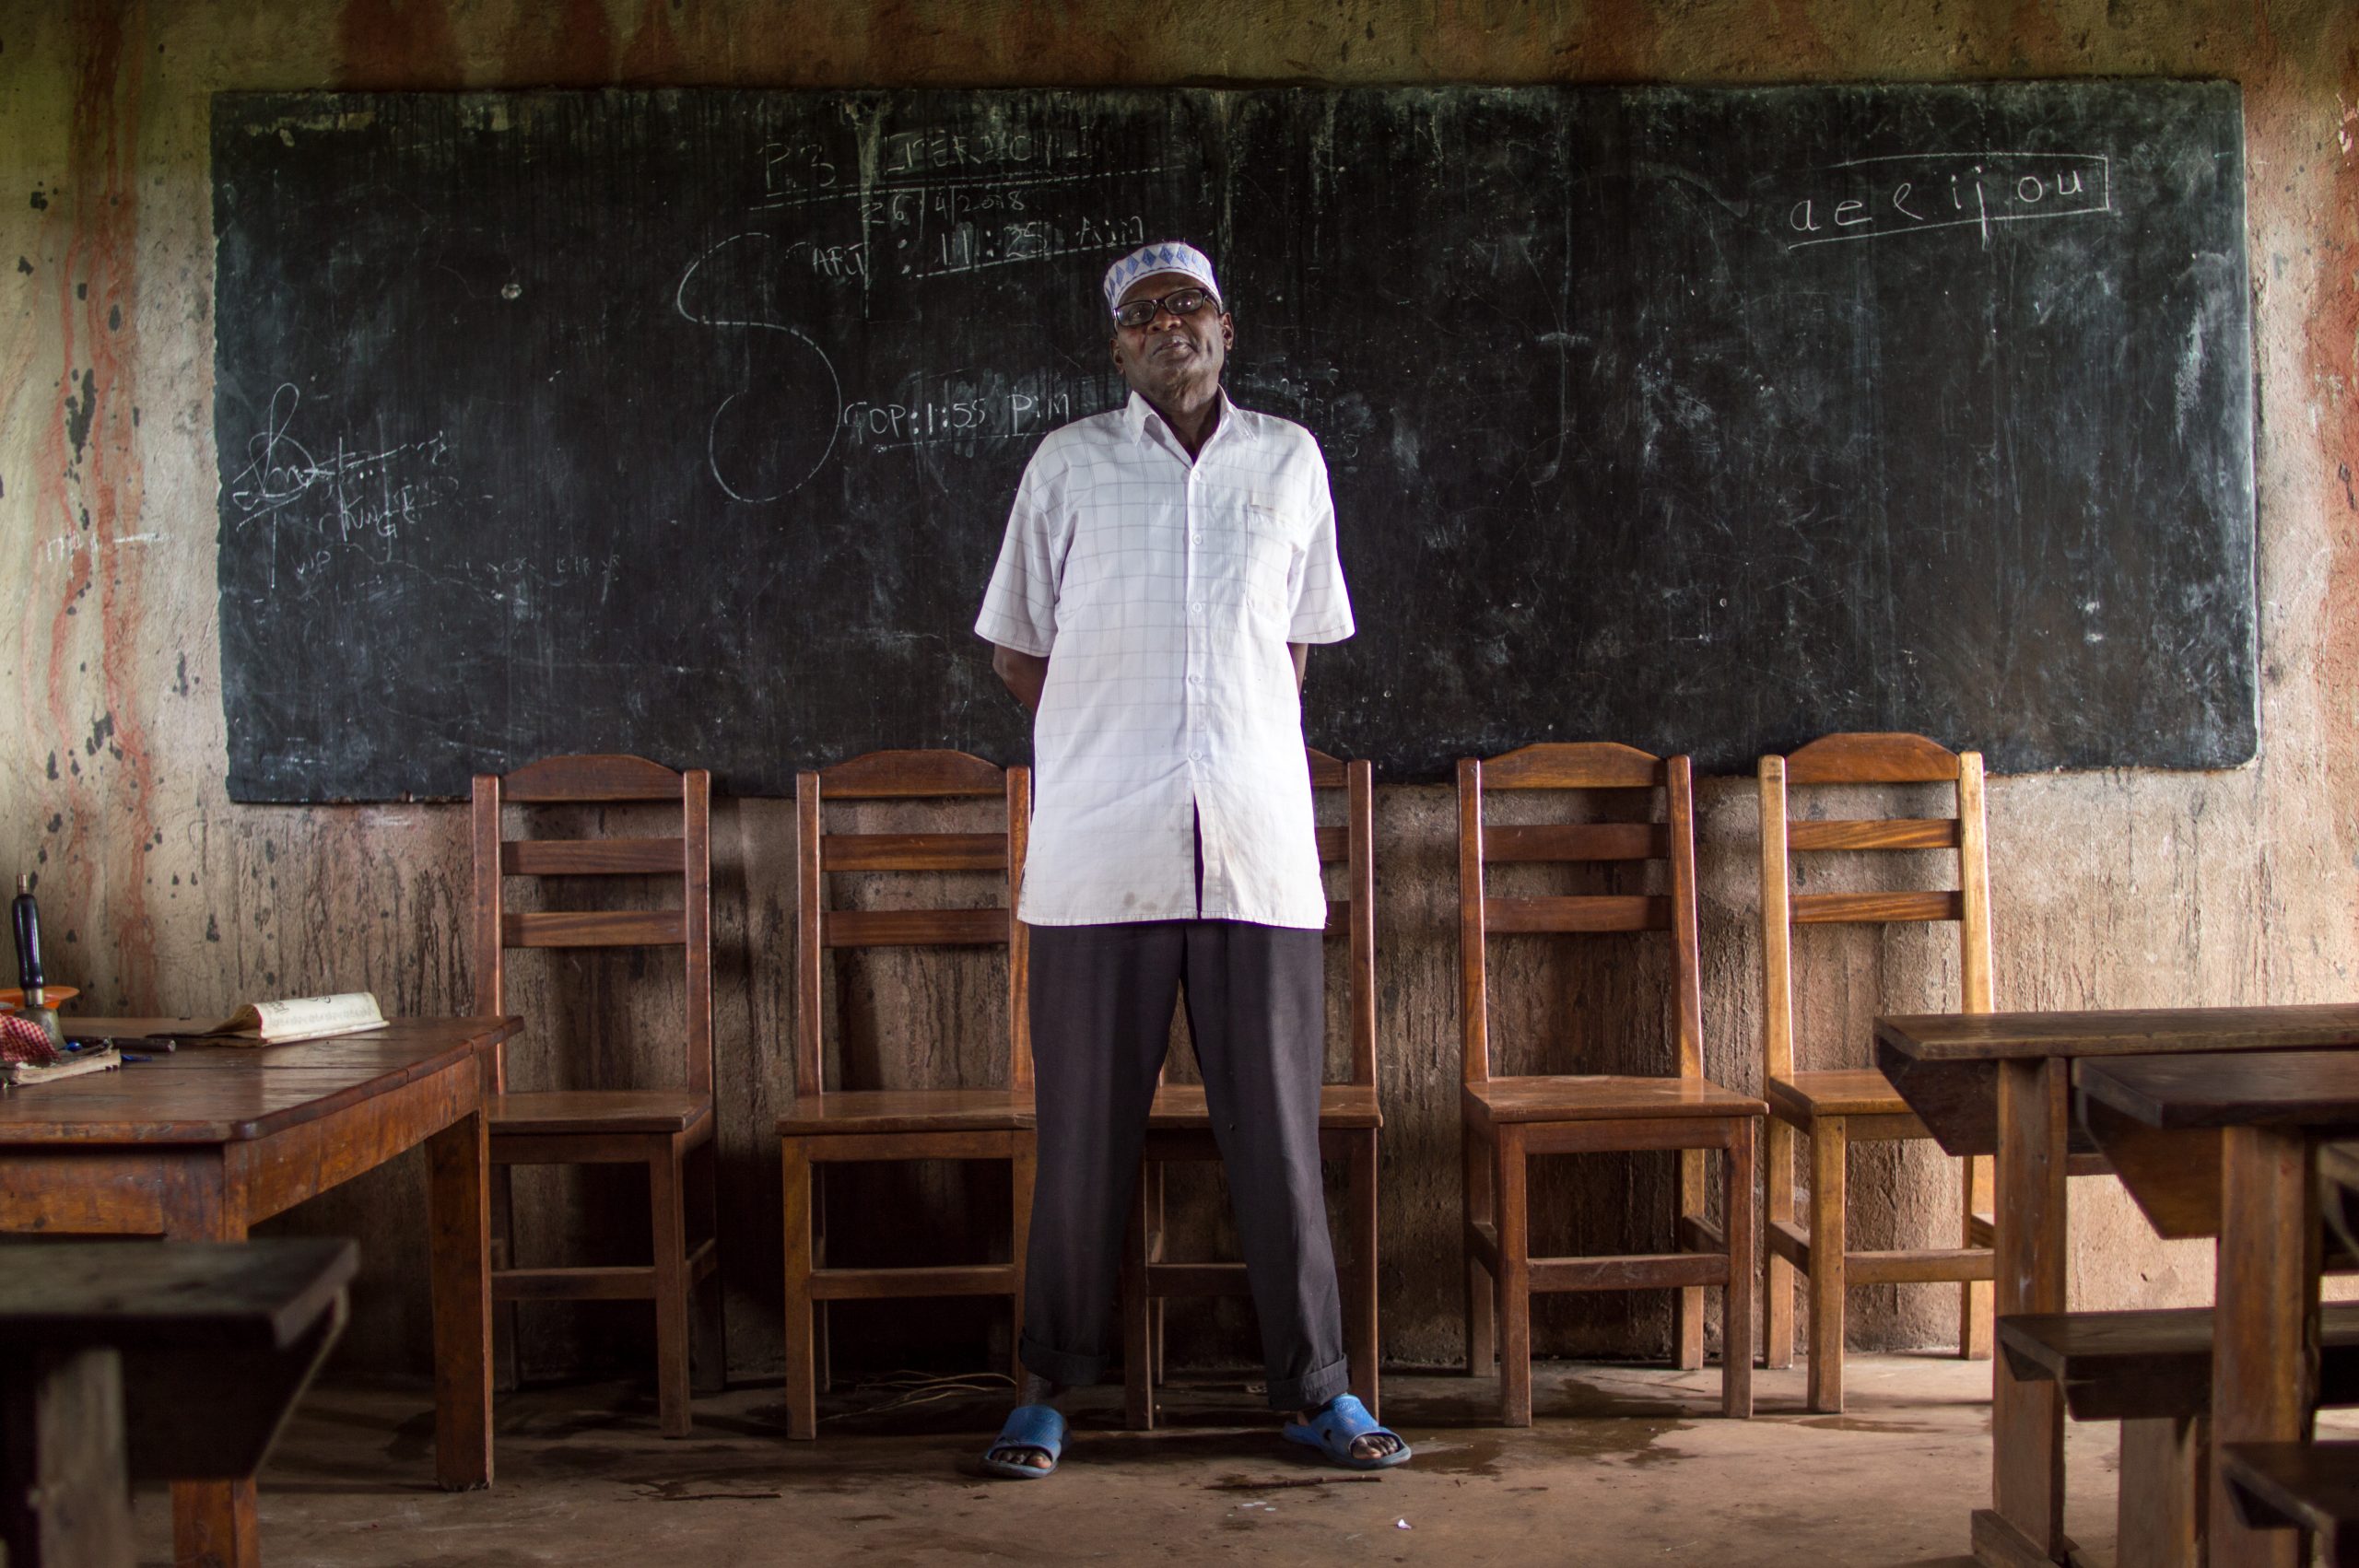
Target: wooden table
{"points": [[148, 1360], [2001, 1084], [199, 1144], [2225, 1145]]}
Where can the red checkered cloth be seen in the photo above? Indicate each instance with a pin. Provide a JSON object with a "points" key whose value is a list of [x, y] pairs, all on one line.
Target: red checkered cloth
{"points": [[25, 1042]]}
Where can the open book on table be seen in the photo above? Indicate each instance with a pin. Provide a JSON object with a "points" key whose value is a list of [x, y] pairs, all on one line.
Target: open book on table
{"points": [[300, 1018]]}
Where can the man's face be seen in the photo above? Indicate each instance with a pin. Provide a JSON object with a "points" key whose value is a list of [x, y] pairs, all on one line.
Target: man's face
{"points": [[1172, 356]]}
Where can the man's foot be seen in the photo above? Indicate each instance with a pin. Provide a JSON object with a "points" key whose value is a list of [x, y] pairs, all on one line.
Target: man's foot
{"points": [[1030, 1442], [1344, 1431], [1367, 1445]]}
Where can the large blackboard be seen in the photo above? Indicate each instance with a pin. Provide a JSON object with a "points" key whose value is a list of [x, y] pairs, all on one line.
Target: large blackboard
{"points": [[685, 423]]}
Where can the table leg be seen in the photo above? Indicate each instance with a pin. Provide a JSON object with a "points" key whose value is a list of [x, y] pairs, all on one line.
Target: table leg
{"points": [[2025, 1523], [2264, 1336], [214, 1525], [458, 1207], [214, 1522]]}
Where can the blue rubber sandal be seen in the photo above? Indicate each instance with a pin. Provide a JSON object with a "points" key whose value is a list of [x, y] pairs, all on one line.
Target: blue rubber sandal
{"points": [[1335, 1429], [1029, 1426]]}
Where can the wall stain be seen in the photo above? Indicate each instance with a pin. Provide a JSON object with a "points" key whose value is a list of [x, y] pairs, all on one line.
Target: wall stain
{"points": [[573, 48], [386, 45], [652, 56], [1623, 43], [91, 490], [2331, 345]]}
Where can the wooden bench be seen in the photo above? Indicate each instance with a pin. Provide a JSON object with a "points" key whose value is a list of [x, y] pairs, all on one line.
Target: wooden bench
{"points": [[2308, 1486], [149, 1361], [2151, 1372]]}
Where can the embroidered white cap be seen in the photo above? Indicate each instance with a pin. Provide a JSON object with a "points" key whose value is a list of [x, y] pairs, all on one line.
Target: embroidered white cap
{"points": [[1169, 255]]}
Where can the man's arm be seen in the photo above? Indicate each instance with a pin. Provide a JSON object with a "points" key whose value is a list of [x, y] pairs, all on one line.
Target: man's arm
{"points": [[1026, 674], [1301, 651]]}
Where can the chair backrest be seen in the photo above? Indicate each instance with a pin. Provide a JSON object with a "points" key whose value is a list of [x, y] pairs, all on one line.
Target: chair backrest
{"points": [[1858, 760], [906, 776], [1353, 916], [1669, 837], [597, 780]]}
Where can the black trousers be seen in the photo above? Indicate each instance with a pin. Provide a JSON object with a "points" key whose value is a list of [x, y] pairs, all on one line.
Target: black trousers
{"points": [[1101, 1019]]}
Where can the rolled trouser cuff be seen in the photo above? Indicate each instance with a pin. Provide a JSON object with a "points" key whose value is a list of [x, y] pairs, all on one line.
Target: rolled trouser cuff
{"points": [[1309, 1391], [1062, 1368]]}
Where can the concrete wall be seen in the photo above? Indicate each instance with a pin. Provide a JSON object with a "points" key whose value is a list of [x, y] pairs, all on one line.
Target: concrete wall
{"points": [[2112, 888]]}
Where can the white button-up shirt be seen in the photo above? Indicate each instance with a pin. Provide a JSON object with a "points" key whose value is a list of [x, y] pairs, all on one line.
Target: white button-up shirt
{"points": [[1164, 593]]}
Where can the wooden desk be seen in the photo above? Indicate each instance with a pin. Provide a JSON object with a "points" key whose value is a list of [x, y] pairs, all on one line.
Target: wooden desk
{"points": [[2020, 1065], [199, 1144], [2223, 1145], [148, 1360]]}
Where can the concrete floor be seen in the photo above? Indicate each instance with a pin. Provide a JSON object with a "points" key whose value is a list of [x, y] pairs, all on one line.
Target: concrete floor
{"points": [[1622, 1465]]}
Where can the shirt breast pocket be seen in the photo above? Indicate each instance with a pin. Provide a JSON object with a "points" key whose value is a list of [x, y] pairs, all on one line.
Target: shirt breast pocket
{"points": [[1273, 544]]}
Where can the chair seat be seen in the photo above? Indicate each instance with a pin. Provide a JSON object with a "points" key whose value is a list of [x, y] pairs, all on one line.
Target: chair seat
{"points": [[1179, 1108], [1863, 1092], [910, 1110], [1602, 1097], [596, 1110]]}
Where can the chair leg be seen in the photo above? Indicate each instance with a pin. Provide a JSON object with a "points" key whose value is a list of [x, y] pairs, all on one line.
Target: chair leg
{"points": [[708, 1329], [821, 1312], [1828, 1141], [1736, 1298], [801, 1372], [1975, 1322], [667, 1203], [1138, 1391], [504, 1374], [1515, 1282], [1778, 1283], [1687, 1304], [1360, 1331], [1024, 1170], [1157, 1374], [1482, 1321]]}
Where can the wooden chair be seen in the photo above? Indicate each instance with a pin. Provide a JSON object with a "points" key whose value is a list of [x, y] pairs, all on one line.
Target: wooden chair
{"points": [[838, 1126], [1179, 1128], [1836, 1107], [1508, 1120], [658, 1129]]}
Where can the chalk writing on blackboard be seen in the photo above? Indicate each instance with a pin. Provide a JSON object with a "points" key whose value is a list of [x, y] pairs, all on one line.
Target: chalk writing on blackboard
{"points": [[351, 495], [961, 406], [1875, 198], [719, 436]]}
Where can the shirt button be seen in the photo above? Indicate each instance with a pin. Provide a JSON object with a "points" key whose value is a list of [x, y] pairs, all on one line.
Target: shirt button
{"points": [[1195, 757], [1195, 680], [1195, 609]]}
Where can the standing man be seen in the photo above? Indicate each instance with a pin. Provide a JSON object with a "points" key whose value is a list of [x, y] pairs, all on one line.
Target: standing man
{"points": [[1167, 566]]}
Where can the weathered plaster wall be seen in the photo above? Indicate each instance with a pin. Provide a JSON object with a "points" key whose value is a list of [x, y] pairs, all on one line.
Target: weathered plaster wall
{"points": [[2113, 888]]}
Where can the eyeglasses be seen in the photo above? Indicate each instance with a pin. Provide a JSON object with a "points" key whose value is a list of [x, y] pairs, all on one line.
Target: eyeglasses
{"points": [[1182, 303]]}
